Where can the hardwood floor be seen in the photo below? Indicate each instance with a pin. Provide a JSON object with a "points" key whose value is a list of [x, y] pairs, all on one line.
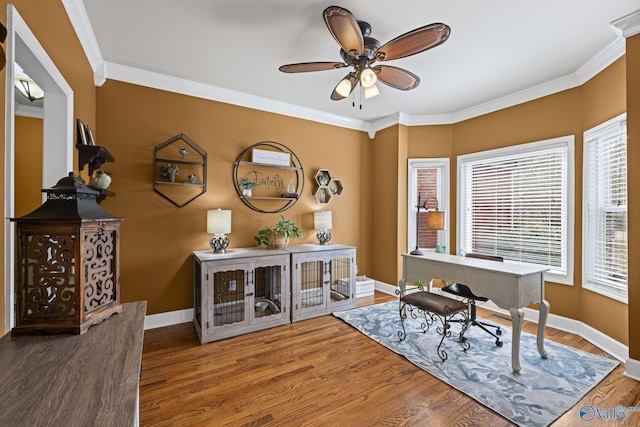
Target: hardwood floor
{"points": [[322, 372]]}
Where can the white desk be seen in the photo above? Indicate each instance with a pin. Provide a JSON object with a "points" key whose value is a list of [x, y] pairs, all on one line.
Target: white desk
{"points": [[510, 285]]}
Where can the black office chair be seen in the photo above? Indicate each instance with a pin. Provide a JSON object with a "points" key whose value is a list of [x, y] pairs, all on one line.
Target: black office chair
{"points": [[470, 298]]}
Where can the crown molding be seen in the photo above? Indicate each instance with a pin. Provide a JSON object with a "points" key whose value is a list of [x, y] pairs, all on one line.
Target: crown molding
{"points": [[200, 90], [601, 60], [29, 111], [629, 24], [82, 26]]}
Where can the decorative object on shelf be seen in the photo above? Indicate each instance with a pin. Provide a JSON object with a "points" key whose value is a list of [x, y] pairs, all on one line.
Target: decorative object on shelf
{"points": [[270, 165], [435, 221], [277, 236], [441, 249], [170, 172], [322, 222], [180, 154], [328, 186], [247, 186], [269, 157], [219, 224], [74, 281], [100, 181]]}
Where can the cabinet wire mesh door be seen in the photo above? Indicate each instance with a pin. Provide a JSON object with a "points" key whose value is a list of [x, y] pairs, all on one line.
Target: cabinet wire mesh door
{"points": [[229, 297], [340, 279], [268, 292], [312, 284]]}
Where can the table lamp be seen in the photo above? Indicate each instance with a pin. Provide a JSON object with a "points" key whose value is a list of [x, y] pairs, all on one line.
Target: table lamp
{"points": [[219, 224], [322, 222]]}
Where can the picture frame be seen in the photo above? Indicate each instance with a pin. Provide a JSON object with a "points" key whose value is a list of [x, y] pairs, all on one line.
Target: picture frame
{"points": [[268, 157], [82, 133], [89, 134]]}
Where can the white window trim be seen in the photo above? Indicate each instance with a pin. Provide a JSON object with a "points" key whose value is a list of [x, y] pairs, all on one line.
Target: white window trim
{"points": [[443, 197], [608, 292], [569, 141]]}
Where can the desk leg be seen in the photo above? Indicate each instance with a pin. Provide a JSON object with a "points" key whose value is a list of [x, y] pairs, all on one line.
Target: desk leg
{"points": [[517, 314], [543, 308]]}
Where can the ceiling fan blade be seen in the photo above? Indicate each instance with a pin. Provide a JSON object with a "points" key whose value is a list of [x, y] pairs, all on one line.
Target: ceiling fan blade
{"points": [[351, 78], [345, 29], [304, 67], [396, 77], [413, 42]]}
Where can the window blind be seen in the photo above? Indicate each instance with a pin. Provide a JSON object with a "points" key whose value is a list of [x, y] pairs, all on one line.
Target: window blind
{"points": [[605, 266], [514, 205]]}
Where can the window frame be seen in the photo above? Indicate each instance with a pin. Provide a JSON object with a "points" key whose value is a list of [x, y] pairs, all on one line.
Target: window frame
{"points": [[568, 142], [602, 289], [443, 192]]}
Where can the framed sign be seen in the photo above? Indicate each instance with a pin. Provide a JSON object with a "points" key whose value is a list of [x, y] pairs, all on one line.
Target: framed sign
{"points": [[270, 157]]}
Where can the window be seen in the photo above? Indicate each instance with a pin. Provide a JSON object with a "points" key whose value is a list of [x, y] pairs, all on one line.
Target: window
{"points": [[604, 210], [428, 178], [514, 203]]}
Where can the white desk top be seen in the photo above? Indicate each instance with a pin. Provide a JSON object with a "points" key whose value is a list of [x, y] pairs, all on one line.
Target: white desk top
{"points": [[508, 267]]}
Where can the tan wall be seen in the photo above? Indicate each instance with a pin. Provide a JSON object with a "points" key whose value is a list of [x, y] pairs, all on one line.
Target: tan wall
{"points": [[28, 158], [633, 182], [49, 22], [157, 238]]}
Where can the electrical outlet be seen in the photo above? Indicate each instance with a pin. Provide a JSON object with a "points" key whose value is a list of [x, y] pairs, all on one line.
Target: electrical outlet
{"points": [[232, 285]]}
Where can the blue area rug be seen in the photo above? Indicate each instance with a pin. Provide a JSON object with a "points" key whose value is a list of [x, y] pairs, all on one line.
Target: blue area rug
{"points": [[542, 391]]}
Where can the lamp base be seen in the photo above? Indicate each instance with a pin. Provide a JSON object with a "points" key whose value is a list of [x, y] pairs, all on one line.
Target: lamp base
{"points": [[219, 243], [416, 251], [323, 237]]}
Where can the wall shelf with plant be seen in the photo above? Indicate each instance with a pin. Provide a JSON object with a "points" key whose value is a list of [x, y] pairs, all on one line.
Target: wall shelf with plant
{"points": [[268, 177], [179, 170]]}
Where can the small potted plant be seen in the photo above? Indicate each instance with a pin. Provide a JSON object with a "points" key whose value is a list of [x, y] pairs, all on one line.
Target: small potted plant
{"points": [[277, 236], [170, 172], [247, 186]]}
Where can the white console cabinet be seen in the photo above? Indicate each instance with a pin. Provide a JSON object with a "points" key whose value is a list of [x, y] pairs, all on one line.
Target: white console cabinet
{"points": [[241, 291], [322, 279]]}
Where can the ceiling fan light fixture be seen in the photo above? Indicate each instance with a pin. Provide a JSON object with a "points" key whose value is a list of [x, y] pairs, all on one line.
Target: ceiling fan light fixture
{"points": [[28, 88], [371, 91], [368, 78], [344, 87]]}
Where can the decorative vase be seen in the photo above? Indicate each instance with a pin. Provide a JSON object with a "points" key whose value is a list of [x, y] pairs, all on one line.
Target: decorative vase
{"points": [[247, 192], [172, 177], [278, 242], [100, 181]]}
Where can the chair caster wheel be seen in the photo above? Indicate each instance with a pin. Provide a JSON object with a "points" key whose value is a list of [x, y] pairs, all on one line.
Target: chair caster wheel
{"points": [[499, 343], [499, 332]]}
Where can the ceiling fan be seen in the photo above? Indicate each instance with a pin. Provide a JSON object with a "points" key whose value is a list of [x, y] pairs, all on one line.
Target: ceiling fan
{"points": [[360, 51]]}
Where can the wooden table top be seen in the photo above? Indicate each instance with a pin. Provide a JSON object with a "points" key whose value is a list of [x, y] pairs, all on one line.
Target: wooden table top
{"points": [[74, 380]]}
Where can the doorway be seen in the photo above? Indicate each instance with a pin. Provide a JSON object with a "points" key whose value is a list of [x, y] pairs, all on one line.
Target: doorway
{"points": [[57, 143]]}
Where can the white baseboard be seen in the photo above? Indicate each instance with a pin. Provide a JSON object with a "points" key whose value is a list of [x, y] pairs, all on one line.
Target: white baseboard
{"points": [[594, 336], [633, 369], [169, 318]]}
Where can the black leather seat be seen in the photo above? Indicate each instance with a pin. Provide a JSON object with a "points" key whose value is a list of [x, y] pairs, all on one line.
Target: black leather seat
{"points": [[470, 298]]}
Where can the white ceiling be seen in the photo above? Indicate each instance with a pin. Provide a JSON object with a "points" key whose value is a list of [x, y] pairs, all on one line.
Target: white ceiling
{"points": [[496, 48]]}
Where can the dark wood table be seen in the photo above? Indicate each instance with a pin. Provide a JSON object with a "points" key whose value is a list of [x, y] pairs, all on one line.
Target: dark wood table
{"points": [[74, 380]]}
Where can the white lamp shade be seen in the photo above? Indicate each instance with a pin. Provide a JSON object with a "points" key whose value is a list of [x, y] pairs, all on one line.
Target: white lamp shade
{"points": [[322, 220], [218, 221], [344, 87], [368, 77], [371, 91]]}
